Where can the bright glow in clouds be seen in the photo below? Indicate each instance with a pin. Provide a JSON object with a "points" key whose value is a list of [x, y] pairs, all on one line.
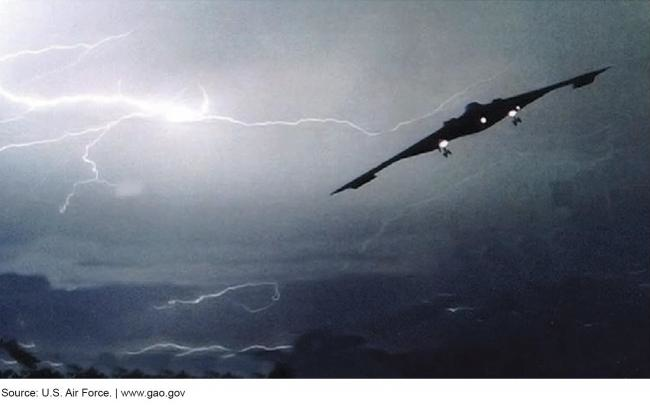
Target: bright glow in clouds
{"points": [[162, 109], [137, 107], [167, 110]]}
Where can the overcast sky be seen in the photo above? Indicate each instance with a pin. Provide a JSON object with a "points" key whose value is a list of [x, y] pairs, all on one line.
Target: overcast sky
{"points": [[215, 203]]}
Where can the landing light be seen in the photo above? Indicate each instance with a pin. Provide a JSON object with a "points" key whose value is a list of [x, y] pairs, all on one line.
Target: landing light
{"points": [[512, 113], [443, 144], [483, 120]]}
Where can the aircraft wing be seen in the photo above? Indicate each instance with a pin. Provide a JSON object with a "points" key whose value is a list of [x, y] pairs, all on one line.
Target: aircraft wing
{"points": [[425, 145], [457, 127], [526, 98]]}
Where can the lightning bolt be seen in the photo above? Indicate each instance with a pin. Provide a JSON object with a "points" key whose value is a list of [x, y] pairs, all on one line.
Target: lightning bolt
{"points": [[27, 346], [444, 104], [53, 364], [155, 109], [274, 298], [86, 47], [459, 309], [580, 166], [408, 208], [31, 346], [64, 47], [184, 350], [365, 244], [96, 177], [100, 132], [166, 110]]}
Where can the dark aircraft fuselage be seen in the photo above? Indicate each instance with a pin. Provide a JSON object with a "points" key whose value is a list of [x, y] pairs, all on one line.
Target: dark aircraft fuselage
{"points": [[476, 118]]}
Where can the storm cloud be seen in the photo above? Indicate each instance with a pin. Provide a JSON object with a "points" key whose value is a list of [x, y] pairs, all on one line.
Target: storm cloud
{"points": [[204, 205]]}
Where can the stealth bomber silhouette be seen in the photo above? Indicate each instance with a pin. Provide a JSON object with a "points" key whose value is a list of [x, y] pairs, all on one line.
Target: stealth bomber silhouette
{"points": [[476, 118]]}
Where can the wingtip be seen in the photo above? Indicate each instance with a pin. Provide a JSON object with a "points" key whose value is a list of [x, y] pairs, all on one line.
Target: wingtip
{"points": [[599, 71], [357, 183]]}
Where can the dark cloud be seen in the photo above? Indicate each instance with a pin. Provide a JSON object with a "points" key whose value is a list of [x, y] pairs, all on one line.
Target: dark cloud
{"points": [[561, 199], [580, 328]]}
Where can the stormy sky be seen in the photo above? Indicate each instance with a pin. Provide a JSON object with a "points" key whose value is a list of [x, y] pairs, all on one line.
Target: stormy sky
{"points": [[186, 208]]}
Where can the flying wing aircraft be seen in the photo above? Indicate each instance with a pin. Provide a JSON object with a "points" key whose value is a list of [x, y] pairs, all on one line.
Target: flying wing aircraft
{"points": [[476, 118]]}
